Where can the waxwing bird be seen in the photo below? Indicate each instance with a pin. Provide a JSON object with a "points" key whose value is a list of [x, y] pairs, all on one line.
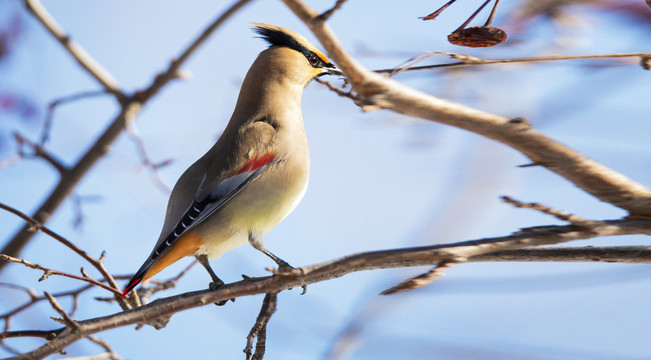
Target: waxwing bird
{"points": [[256, 173]]}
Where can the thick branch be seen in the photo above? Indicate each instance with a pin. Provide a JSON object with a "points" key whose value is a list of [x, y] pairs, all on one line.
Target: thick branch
{"points": [[428, 255], [377, 92]]}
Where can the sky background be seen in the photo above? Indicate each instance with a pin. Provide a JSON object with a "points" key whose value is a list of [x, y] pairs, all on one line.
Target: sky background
{"points": [[378, 181]]}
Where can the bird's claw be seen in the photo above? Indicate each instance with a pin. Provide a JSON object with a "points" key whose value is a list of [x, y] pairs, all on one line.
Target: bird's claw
{"points": [[216, 285]]}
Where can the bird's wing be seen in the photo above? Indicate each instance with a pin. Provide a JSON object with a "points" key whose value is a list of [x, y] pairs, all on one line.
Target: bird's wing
{"points": [[225, 177], [215, 179]]}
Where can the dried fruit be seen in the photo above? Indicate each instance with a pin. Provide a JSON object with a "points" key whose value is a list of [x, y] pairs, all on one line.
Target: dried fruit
{"points": [[478, 36]]}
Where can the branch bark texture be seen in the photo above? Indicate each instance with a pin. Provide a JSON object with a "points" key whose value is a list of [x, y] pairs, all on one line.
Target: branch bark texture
{"points": [[377, 92], [418, 256]]}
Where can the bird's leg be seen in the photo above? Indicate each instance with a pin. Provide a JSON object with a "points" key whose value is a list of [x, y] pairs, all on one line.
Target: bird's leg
{"points": [[216, 281], [255, 238]]}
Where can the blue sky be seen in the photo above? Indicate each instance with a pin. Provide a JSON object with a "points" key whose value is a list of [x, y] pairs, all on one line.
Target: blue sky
{"points": [[378, 180]]}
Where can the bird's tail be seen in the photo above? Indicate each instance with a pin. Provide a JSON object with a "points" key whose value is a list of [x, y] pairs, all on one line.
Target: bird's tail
{"points": [[139, 276], [186, 245]]}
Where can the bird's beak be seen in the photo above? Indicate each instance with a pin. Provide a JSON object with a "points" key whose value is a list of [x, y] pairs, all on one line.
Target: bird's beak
{"points": [[331, 71]]}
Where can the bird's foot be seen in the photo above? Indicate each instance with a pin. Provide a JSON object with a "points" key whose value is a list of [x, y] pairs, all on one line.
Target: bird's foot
{"points": [[284, 269], [215, 286]]}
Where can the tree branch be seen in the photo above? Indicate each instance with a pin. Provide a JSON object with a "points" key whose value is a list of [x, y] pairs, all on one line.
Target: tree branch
{"points": [[39, 151], [467, 60], [259, 329], [47, 272], [377, 92], [98, 264], [418, 256]]}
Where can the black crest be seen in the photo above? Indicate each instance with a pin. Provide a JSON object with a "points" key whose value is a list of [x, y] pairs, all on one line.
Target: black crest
{"points": [[279, 38]]}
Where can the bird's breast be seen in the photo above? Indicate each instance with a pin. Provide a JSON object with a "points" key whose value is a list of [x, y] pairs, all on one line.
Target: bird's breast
{"points": [[271, 197]]}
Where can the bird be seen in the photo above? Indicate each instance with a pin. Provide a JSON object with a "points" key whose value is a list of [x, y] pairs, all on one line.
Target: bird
{"points": [[257, 171]]}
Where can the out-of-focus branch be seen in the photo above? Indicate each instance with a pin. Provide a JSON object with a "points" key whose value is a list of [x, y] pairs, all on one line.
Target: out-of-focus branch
{"points": [[49, 115], [78, 53], [173, 71], [419, 256], [377, 92], [129, 110], [466, 60], [39, 151], [35, 299], [327, 14]]}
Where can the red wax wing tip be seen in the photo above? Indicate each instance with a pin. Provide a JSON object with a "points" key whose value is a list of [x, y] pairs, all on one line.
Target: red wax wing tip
{"points": [[130, 287], [257, 162]]}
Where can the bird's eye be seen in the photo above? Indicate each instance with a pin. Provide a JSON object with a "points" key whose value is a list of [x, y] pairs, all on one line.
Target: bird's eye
{"points": [[313, 60]]}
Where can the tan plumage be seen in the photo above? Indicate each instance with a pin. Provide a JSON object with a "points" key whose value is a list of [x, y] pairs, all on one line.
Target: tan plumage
{"points": [[256, 173]]}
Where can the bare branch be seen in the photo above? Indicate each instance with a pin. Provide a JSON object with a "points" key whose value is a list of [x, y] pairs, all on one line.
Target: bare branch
{"points": [[561, 215], [346, 94], [326, 15], [420, 280], [259, 329], [173, 70], [47, 272], [145, 160], [418, 256], [109, 354], [466, 60], [608, 254], [98, 264], [47, 335], [35, 298], [81, 56], [57, 307], [47, 123], [377, 92], [145, 293], [39, 151]]}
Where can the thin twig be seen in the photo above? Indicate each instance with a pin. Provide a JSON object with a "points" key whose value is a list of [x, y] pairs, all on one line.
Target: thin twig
{"points": [[172, 71], [109, 354], [35, 298], [57, 307], [98, 264], [47, 335], [346, 94], [78, 53], [145, 160], [49, 115], [467, 60], [259, 330], [559, 214], [420, 280], [327, 14], [47, 272], [144, 294], [39, 151]]}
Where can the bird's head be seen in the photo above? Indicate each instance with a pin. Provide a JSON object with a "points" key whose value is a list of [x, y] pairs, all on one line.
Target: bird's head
{"points": [[291, 52]]}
